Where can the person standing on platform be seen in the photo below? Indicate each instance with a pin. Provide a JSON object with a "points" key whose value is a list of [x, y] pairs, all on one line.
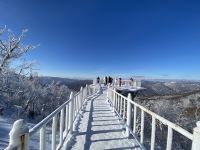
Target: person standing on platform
{"points": [[98, 80], [131, 82], [106, 80], [111, 80], [120, 82]]}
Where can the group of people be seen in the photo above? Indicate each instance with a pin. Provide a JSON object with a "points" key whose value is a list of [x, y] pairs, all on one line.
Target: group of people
{"points": [[107, 80]]}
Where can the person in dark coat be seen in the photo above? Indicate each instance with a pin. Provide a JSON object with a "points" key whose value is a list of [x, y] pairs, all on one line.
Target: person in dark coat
{"points": [[131, 82], [109, 80], [106, 80], [120, 82], [98, 80]]}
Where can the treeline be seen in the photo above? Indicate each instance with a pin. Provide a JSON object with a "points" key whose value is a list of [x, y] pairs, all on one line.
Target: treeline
{"points": [[21, 91], [32, 98], [74, 84]]}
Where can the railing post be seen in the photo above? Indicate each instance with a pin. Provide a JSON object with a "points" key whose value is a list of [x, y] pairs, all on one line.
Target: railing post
{"points": [[81, 97], [121, 103], [142, 127], [19, 136], [112, 95], [71, 112], [94, 89], [124, 111], [75, 102], [118, 103], [89, 90], [67, 119], [134, 119], [153, 132], [128, 122], [54, 129], [196, 137], [43, 137], [86, 93], [78, 102], [114, 99], [107, 95], [169, 138], [61, 126]]}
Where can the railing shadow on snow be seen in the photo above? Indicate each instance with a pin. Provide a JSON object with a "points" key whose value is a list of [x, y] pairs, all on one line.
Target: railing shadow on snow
{"points": [[72, 140], [89, 132]]}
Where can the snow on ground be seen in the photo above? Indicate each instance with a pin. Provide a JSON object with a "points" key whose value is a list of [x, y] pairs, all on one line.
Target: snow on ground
{"points": [[9, 116], [6, 123], [5, 127], [98, 127]]}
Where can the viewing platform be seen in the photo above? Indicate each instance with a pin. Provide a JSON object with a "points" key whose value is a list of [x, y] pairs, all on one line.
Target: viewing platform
{"points": [[98, 117]]}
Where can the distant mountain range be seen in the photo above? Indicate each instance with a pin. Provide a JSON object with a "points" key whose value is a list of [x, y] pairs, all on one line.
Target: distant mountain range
{"points": [[74, 84], [169, 87], [154, 87]]}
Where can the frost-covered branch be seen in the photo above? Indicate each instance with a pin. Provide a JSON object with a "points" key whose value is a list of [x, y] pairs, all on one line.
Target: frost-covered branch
{"points": [[11, 48]]}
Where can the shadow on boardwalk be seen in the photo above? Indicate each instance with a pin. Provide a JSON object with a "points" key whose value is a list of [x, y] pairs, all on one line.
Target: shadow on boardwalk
{"points": [[97, 127]]}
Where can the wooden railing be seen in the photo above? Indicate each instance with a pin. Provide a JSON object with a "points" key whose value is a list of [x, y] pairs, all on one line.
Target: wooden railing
{"points": [[124, 106], [65, 115]]}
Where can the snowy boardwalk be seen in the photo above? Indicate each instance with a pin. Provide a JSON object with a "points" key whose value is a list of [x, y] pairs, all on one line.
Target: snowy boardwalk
{"points": [[99, 128], [88, 121]]}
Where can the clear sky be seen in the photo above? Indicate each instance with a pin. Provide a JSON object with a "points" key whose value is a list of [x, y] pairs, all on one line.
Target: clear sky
{"points": [[150, 38]]}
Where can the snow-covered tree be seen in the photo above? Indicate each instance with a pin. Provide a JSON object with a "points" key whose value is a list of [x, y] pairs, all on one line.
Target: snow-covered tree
{"points": [[11, 47]]}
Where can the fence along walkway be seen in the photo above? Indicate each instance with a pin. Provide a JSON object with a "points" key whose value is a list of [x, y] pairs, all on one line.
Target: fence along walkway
{"points": [[62, 118], [125, 107], [93, 128], [99, 128]]}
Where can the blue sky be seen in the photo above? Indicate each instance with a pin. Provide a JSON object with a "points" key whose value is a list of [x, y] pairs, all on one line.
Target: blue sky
{"points": [[157, 39]]}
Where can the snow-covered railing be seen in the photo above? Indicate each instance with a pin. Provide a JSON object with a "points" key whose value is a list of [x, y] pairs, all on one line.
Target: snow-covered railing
{"points": [[128, 83], [65, 115], [124, 105]]}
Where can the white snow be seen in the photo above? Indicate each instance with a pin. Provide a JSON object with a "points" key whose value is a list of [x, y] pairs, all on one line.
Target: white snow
{"points": [[18, 129], [6, 126], [98, 127]]}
